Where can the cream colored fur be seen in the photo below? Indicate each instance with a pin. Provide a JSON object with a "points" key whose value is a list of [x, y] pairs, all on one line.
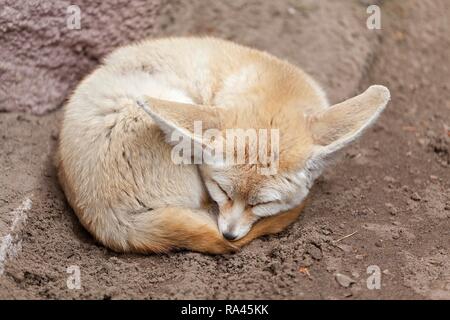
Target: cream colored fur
{"points": [[114, 160]]}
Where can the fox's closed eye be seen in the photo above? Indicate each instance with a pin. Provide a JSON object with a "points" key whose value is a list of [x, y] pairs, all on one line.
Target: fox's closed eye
{"points": [[264, 209], [217, 192], [265, 196], [262, 203], [224, 192]]}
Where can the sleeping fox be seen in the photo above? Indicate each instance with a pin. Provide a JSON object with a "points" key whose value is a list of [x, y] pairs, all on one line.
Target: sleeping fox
{"points": [[115, 156]]}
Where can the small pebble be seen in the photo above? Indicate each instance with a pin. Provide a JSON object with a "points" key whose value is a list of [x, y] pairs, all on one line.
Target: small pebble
{"points": [[344, 280], [415, 196]]}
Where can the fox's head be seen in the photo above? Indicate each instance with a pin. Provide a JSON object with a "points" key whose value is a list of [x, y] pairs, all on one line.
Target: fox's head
{"points": [[296, 152]]}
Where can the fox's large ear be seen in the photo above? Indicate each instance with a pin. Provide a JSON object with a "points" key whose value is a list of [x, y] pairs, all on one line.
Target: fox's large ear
{"points": [[342, 123], [183, 121]]}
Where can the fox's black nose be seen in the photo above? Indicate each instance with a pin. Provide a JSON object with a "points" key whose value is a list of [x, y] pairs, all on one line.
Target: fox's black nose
{"points": [[229, 236]]}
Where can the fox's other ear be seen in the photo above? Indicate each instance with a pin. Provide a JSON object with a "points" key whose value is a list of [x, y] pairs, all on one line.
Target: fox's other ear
{"points": [[342, 123], [173, 116], [182, 120]]}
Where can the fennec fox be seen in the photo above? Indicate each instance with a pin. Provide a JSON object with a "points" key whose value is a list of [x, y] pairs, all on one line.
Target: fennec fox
{"points": [[115, 161]]}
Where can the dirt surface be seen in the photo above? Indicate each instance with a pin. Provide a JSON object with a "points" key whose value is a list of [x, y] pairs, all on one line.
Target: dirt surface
{"points": [[390, 192]]}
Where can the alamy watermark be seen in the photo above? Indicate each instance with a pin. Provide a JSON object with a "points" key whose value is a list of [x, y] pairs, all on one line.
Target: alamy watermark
{"points": [[73, 17], [74, 279], [373, 282], [234, 146], [373, 22]]}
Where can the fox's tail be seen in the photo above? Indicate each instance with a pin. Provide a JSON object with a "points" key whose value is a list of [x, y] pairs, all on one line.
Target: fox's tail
{"points": [[165, 229], [160, 230], [196, 230], [169, 228]]}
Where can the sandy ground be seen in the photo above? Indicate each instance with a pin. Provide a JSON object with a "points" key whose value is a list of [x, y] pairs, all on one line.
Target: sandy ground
{"points": [[390, 191]]}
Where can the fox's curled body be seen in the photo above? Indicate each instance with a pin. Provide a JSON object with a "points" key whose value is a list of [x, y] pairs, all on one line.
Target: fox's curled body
{"points": [[113, 160]]}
